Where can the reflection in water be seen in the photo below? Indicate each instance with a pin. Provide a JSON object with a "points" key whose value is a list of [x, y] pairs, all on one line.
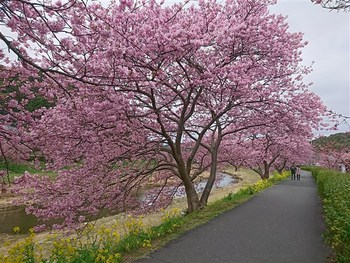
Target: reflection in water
{"points": [[222, 180], [16, 217]]}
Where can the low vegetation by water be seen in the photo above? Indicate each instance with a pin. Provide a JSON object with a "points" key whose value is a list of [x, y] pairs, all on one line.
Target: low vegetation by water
{"points": [[109, 244], [12, 216], [334, 189], [17, 169]]}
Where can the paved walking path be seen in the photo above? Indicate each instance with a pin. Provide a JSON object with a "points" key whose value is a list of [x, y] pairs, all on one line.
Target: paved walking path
{"points": [[280, 225]]}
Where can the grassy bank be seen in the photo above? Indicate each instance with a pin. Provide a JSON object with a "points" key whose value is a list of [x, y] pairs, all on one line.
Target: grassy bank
{"points": [[110, 244], [334, 189], [18, 169]]}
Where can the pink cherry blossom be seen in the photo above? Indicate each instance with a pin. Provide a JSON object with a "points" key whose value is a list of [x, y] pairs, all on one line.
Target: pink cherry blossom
{"points": [[144, 91]]}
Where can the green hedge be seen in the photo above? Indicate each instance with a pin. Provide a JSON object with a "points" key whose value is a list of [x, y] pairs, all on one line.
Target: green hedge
{"points": [[334, 189]]}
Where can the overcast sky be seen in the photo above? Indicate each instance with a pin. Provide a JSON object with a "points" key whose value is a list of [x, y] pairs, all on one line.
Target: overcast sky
{"points": [[329, 47]]}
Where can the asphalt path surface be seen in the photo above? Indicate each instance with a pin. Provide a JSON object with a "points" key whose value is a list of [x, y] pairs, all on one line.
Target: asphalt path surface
{"points": [[280, 225]]}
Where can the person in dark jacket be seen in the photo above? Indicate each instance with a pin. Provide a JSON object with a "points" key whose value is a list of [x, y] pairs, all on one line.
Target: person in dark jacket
{"points": [[293, 171]]}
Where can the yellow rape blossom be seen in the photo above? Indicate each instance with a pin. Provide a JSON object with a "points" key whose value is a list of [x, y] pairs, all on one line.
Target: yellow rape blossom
{"points": [[16, 229]]}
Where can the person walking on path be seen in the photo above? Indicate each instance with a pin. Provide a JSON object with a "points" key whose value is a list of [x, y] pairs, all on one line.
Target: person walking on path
{"points": [[293, 170], [298, 172]]}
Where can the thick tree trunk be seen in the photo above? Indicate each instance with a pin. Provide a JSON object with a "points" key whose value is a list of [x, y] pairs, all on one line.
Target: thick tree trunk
{"points": [[264, 171], [214, 165], [193, 203], [281, 168], [280, 171], [266, 174], [211, 180]]}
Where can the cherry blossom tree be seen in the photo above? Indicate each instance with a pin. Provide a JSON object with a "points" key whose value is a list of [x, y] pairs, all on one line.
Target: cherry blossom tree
{"points": [[331, 154], [329, 157], [278, 153], [234, 151], [13, 147], [274, 148], [143, 90]]}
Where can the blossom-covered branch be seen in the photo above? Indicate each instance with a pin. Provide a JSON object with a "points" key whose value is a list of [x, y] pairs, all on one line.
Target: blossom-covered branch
{"points": [[334, 4]]}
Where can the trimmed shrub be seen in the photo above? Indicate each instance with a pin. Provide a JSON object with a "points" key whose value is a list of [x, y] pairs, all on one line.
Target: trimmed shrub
{"points": [[334, 189]]}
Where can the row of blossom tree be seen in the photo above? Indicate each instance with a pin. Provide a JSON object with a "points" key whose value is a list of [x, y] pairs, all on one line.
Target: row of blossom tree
{"points": [[333, 152], [139, 90]]}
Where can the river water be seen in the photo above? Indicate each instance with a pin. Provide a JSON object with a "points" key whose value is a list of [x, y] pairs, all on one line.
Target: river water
{"points": [[13, 217], [16, 216], [222, 180]]}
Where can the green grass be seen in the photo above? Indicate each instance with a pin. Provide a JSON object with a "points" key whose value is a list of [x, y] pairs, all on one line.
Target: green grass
{"points": [[334, 189], [104, 244], [200, 217], [18, 169]]}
